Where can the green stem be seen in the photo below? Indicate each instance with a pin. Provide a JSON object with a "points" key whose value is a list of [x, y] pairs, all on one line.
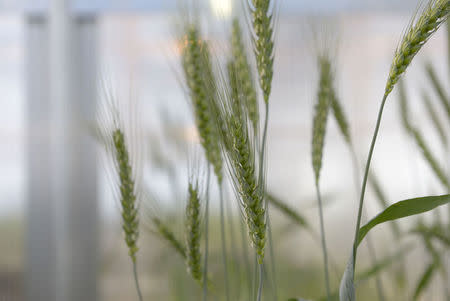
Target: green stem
{"points": [[370, 246], [224, 244], [262, 181], [205, 265], [366, 174], [272, 260], [255, 272], [245, 257], [234, 249], [324, 243], [136, 281], [260, 286], [263, 144]]}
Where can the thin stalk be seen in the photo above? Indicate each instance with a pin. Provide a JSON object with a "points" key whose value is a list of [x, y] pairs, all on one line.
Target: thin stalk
{"points": [[136, 281], [272, 260], [264, 138], [234, 250], [262, 181], [224, 244], [370, 246], [245, 257], [205, 265], [366, 174], [324, 243], [255, 272], [260, 286]]}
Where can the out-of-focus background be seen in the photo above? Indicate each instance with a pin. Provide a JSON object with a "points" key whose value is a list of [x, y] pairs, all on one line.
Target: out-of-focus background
{"points": [[60, 236]]}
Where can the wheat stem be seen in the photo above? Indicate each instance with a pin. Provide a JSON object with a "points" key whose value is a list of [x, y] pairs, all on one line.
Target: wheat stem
{"points": [[370, 246], [245, 256], [272, 259], [323, 242], [366, 174], [136, 281], [205, 264], [233, 242], [261, 280], [224, 244], [255, 276]]}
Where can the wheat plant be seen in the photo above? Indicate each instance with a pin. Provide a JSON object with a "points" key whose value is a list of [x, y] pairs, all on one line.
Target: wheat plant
{"points": [[223, 92]]}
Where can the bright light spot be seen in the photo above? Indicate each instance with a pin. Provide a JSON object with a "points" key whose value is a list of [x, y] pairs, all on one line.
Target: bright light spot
{"points": [[221, 8]]}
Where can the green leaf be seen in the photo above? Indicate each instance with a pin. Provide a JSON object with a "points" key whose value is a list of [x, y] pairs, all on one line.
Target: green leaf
{"points": [[434, 232], [288, 211], [383, 264], [434, 117], [438, 87], [382, 200], [396, 211], [424, 280], [403, 209]]}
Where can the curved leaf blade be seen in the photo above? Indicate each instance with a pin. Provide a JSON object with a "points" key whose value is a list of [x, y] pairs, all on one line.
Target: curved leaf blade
{"points": [[424, 280], [382, 264], [404, 209], [287, 210]]}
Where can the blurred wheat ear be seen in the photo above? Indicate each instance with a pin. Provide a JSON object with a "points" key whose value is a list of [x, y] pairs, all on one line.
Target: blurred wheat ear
{"points": [[243, 74], [198, 71], [262, 27], [324, 98], [438, 87], [130, 220], [432, 113], [419, 139]]}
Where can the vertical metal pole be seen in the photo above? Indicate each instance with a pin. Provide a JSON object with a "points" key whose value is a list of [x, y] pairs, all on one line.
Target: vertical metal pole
{"points": [[40, 243], [63, 136], [82, 206], [62, 230]]}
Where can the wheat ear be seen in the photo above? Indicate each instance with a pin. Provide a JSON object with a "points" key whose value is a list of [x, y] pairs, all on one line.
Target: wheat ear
{"points": [[198, 72], [318, 137], [262, 25], [418, 33], [193, 233], [129, 213], [340, 117], [239, 148], [243, 75], [167, 234]]}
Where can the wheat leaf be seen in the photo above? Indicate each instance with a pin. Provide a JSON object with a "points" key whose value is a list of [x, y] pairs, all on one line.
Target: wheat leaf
{"points": [[288, 211], [424, 280], [438, 87], [440, 128], [403, 209], [434, 232], [383, 264], [382, 200]]}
